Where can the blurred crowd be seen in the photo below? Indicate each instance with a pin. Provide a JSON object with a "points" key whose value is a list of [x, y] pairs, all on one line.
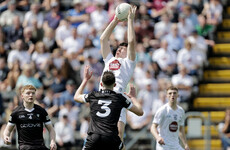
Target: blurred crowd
{"points": [[47, 43]]}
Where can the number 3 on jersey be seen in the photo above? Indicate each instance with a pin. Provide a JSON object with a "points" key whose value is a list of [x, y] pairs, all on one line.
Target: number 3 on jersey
{"points": [[105, 104]]}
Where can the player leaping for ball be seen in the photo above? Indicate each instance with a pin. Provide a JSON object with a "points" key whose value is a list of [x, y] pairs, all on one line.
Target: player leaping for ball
{"points": [[123, 63]]}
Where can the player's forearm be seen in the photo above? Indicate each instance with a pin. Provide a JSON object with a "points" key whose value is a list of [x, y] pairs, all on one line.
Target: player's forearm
{"points": [[139, 111], [51, 132], [108, 31], [79, 92], [131, 40], [183, 137], [154, 131]]}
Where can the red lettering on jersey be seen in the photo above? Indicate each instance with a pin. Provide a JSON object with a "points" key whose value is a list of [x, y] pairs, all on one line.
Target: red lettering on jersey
{"points": [[114, 65], [173, 126]]}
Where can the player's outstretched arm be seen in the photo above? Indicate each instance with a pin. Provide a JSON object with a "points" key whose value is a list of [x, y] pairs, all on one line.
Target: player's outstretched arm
{"points": [[104, 39], [131, 52], [52, 133], [78, 97], [155, 133], [183, 138], [6, 134], [136, 108]]}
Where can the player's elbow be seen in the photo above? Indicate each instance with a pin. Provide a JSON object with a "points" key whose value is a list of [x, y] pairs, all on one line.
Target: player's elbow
{"points": [[140, 112], [131, 41]]}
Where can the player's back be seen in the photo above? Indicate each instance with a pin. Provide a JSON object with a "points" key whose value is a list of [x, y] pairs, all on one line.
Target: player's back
{"points": [[105, 111]]}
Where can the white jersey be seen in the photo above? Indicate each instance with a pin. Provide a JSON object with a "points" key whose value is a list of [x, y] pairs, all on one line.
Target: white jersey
{"points": [[122, 68], [169, 122]]}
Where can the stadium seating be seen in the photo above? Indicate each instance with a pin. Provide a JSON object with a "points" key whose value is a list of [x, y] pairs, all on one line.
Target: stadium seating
{"points": [[214, 95]]}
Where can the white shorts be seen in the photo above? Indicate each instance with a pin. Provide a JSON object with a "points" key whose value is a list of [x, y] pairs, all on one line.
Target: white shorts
{"points": [[165, 147], [123, 115]]}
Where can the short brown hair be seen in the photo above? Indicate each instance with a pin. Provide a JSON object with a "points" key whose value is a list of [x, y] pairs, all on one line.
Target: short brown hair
{"points": [[28, 87], [172, 88], [108, 78]]}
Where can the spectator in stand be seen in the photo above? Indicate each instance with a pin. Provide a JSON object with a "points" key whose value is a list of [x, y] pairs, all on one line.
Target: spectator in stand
{"points": [[73, 45], [49, 39], [160, 101], [175, 41], [33, 14], [13, 33], [190, 14], [99, 17], [199, 44], [37, 33], [85, 29], [53, 18], [185, 26], [90, 50], [165, 58], [18, 54], [64, 133], [213, 10], [3, 69], [27, 77], [7, 16], [205, 30], [28, 40], [63, 31], [40, 56], [10, 82], [158, 8], [57, 58], [144, 29], [67, 95], [225, 129], [77, 15], [72, 113], [190, 58], [163, 27], [184, 83]]}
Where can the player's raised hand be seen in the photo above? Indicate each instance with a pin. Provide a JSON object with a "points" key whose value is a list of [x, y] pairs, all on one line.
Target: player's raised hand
{"points": [[186, 147], [53, 145], [132, 12], [161, 141], [87, 73], [132, 91], [7, 140]]}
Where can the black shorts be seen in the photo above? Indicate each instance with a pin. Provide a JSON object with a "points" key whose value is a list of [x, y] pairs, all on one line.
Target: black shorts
{"points": [[32, 147], [103, 142]]}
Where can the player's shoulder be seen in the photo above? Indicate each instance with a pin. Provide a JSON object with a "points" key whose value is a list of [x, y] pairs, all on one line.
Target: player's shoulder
{"points": [[39, 108], [17, 109], [163, 108], [180, 109]]}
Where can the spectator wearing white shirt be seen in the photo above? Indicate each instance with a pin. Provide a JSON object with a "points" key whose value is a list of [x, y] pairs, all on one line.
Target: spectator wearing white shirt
{"points": [[100, 17], [18, 54], [86, 28], [213, 10], [185, 26], [166, 59], [163, 27], [40, 56], [33, 14], [71, 112], [63, 31], [6, 18], [73, 45], [64, 133], [184, 83], [189, 58], [199, 44]]}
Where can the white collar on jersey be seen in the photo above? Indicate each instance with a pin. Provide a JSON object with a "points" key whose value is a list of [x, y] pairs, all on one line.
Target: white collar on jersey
{"points": [[29, 110]]}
